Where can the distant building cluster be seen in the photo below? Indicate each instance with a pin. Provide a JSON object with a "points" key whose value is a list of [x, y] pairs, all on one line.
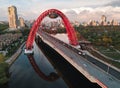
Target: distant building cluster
{"points": [[102, 22], [59, 23], [8, 38], [14, 22], [53, 25]]}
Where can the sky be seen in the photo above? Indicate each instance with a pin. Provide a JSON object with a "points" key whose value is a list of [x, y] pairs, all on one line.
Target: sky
{"points": [[79, 10]]}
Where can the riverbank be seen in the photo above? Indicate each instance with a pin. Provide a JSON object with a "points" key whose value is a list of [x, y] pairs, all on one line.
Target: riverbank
{"points": [[15, 55], [4, 67], [3, 74]]}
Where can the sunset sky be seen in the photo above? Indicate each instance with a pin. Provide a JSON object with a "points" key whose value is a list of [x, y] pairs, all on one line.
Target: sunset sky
{"points": [[82, 10]]}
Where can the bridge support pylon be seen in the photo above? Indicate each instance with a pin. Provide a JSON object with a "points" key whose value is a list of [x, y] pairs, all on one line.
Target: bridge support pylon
{"points": [[29, 51]]}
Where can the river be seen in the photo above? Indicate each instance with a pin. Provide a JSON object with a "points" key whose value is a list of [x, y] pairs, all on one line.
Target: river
{"points": [[45, 70]]}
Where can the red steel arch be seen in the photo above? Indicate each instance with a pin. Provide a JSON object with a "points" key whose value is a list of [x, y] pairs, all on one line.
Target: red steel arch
{"points": [[70, 30]]}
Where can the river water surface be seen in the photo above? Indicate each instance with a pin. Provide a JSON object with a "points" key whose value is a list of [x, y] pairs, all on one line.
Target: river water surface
{"points": [[45, 71]]}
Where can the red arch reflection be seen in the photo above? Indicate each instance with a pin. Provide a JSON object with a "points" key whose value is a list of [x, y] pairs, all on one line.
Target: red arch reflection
{"points": [[51, 77]]}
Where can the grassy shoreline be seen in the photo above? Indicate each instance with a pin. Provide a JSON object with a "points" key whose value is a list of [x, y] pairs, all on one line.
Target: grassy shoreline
{"points": [[4, 67], [3, 71]]}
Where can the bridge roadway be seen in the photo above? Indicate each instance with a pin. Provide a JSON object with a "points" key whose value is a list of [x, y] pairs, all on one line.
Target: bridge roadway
{"points": [[95, 73]]}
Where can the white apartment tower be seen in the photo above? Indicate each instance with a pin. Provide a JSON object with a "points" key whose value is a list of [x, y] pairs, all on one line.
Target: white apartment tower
{"points": [[12, 16]]}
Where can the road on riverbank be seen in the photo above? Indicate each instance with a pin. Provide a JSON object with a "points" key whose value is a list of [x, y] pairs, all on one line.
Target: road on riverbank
{"points": [[15, 55]]}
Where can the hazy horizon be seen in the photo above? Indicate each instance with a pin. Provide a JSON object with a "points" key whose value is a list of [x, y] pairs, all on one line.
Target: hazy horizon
{"points": [[75, 10]]}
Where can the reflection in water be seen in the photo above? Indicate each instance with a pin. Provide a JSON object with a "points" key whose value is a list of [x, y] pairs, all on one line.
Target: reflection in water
{"points": [[24, 76], [51, 77]]}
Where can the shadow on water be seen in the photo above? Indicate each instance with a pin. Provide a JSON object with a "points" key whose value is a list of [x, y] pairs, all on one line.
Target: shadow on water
{"points": [[51, 77], [71, 76]]}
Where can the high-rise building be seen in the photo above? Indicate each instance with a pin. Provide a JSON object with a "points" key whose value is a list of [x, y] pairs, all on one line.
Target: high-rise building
{"points": [[92, 23], [103, 18], [12, 16], [21, 22], [114, 23]]}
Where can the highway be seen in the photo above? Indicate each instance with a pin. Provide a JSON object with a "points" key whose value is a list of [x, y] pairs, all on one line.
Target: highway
{"points": [[83, 63], [104, 67]]}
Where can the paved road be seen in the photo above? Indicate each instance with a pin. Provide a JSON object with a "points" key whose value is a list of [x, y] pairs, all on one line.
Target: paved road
{"points": [[93, 68]]}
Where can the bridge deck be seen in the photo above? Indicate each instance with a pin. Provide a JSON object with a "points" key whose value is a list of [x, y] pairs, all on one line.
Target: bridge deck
{"points": [[91, 71]]}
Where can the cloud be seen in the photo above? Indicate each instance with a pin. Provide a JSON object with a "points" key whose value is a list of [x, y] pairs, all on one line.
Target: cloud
{"points": [[71, 14], [87, 13], [74, 14], [3, 15], [81, 10], [114, 3]]}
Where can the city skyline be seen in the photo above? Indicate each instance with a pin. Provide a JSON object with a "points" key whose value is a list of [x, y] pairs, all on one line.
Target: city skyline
{"points": [[82, 10]]}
